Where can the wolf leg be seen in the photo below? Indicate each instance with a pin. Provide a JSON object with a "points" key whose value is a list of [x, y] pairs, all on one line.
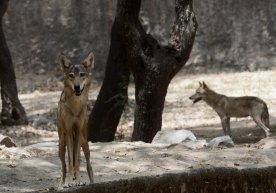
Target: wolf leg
{"points": [[77, 158], [259, 122], [225, 121], [265, 117], [69, 142], [62, 146], [85, 148]]}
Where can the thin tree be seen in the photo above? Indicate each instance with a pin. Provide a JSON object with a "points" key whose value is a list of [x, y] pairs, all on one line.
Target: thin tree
{"points": [[13, 112], [153, 66]]}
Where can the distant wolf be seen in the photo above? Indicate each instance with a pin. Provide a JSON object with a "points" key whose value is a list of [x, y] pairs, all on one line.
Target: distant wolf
{"points": [[227, 107], [72, 117]]}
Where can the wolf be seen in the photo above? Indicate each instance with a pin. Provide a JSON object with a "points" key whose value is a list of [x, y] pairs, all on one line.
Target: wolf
{"points": [[72, 117], [227, 107]]}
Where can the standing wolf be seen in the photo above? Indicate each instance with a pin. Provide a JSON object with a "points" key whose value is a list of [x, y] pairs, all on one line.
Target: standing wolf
{"points": [[72, 117], [227, 107]]}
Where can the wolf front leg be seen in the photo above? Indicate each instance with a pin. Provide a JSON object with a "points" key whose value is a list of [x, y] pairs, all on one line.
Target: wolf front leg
{"points": [[76, 157], [86, 151], [69, 144], [62, 150], [225, 122]]}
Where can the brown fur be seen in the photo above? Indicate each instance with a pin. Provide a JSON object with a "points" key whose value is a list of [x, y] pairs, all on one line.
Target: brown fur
{"points": [[72, 117], [227, 107]]}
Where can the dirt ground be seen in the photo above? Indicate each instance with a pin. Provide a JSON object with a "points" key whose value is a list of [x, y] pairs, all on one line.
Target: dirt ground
{"points": [[34, 165]]}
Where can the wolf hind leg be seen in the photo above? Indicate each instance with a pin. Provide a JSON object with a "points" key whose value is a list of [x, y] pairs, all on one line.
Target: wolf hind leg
{"points": [[265, 120], [265, 117], [261, 123]]}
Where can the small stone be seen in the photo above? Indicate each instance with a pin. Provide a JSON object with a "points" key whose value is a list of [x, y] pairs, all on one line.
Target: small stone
{"points": [[11, 166], [23, 156], [7, 141]]}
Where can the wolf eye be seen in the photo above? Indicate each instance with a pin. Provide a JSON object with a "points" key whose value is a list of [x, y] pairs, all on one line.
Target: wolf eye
{"points": [[71, 75], [82, 74]]}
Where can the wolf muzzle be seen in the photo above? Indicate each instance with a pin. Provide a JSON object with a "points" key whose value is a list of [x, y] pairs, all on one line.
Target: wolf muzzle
{"points": [[195, 99], [78, 90]]}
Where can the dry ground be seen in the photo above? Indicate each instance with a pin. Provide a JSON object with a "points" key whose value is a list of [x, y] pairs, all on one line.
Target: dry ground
{"points": [[37, 167]]}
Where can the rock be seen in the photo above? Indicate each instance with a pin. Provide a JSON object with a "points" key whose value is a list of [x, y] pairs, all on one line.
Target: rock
{"points": [[197, 144], [173, 136], [221, 141], [7, 141]]}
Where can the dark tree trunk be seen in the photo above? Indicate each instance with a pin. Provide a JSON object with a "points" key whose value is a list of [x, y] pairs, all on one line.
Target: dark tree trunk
{"points": [[152, 65], [112, 98], [13, 112]]}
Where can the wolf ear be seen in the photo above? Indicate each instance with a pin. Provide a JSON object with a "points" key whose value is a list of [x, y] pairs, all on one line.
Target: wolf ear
{"points": [[204, 85], [200, 84], [64, 62], [88, 62]]}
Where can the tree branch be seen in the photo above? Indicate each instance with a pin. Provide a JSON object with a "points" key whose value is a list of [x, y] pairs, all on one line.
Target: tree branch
{"points": [[184, 29]]}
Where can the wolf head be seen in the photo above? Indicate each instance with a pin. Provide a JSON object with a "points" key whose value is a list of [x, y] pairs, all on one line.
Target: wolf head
{"points": [[77, 75], [201, 92]]}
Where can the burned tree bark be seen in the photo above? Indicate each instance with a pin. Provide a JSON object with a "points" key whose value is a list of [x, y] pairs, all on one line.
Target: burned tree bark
{"points": [[152, 65], [112, 98], [13, 112], [156, 65]]}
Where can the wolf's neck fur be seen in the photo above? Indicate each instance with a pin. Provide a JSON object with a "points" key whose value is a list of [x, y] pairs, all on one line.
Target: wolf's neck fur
{"points": [[213, 98]]}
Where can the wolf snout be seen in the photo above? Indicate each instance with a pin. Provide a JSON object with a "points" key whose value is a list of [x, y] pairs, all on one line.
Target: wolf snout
{"points": [[192, 97], [195, 98], [78, 90]]}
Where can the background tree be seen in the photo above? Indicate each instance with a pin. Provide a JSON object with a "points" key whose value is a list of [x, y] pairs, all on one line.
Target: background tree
{"points": [[12, 110], [153, 66], [246, 35]]}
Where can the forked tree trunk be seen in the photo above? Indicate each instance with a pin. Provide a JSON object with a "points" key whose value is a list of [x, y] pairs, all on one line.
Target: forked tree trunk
{"points": [[152, 65], [13, 112]]}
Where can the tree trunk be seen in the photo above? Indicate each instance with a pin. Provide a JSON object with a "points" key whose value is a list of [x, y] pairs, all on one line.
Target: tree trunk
{"points": [[153, 66], [13, 112], [112, 98]]}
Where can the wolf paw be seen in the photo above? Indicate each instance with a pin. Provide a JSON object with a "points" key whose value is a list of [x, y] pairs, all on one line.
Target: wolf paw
{"points": [[60, 186]]}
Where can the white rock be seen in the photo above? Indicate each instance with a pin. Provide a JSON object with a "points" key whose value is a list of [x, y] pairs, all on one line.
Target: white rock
{"points": [[223, 140], [198, 144], [173, 136]]}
